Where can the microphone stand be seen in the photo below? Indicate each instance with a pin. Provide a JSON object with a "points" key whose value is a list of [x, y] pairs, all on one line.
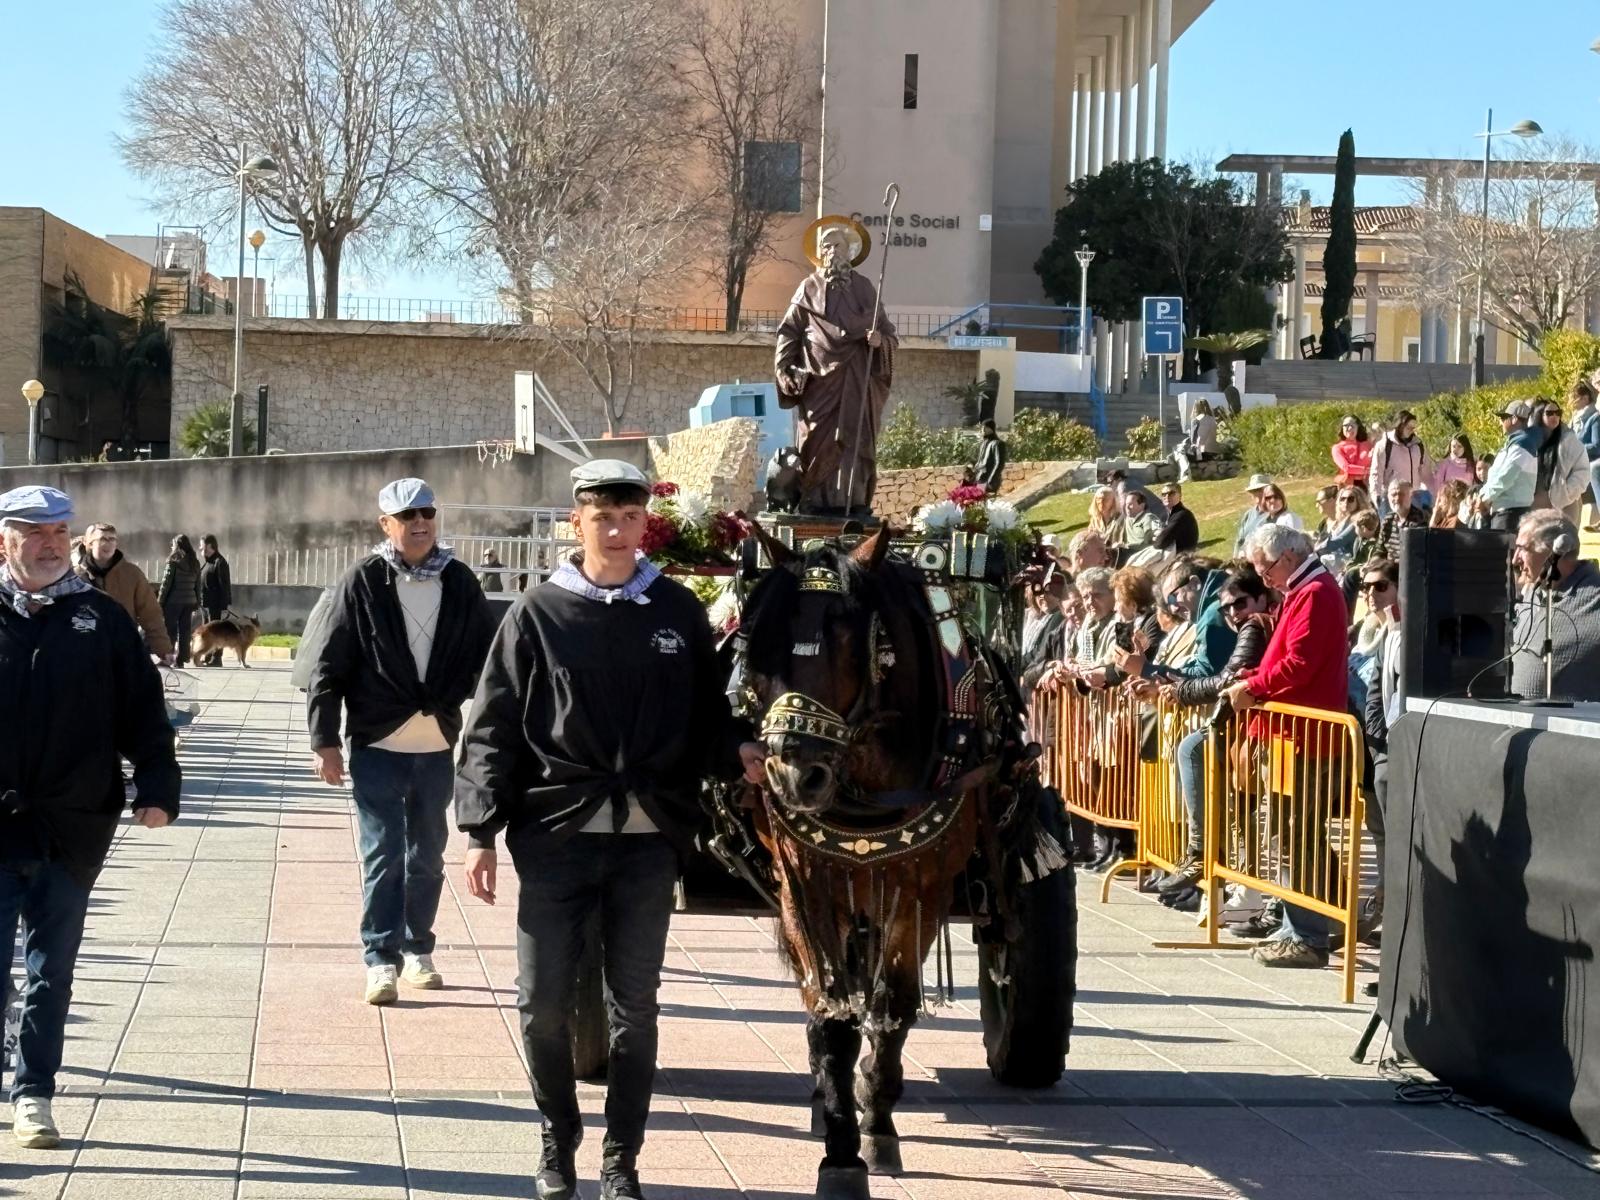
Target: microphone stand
{"points": [[1548, 650]]}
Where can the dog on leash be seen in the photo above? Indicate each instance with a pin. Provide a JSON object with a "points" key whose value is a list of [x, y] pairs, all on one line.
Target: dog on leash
{"points": [[231, 633]]}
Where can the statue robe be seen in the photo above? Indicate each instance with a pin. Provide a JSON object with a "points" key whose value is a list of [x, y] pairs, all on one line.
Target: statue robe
{"points": [[822, 368]]}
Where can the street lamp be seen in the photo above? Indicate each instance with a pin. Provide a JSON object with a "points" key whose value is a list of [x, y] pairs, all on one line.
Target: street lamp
{"points": [[254, 168], [257, 238], [1522, 129], [33, 392], [1085, 256]]}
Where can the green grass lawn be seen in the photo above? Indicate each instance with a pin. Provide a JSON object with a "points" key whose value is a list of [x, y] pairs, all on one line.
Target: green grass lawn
{"points": [[1216, 504], [291, 640]]}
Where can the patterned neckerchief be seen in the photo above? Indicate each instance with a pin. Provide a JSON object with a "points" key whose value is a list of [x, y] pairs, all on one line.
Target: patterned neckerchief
{"points": [[568, 577], [20, 600], [429, 568]]}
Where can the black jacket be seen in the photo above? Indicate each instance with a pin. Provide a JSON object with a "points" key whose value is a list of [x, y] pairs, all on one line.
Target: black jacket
{"points": [[583, 700], [1181, 533], [77, 694], [216, 586], [1046, 649], [365, 663], [1248, 650], [180, 584]]}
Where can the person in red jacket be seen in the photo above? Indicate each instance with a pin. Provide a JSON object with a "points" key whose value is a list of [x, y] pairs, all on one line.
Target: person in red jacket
{"points": [[1352, 453], [1306, 664]]}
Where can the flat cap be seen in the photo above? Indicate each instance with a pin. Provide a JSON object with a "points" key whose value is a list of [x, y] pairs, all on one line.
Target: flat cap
{"points": [[35, 505], [1519, 409], [1258, 481], [607, 472], [402, 494]]}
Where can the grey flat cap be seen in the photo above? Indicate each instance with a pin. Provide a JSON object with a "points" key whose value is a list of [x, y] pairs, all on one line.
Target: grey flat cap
{"points": [[1519, 409], [1258, 481], [607, 472], [402, 494], [35, 505]]}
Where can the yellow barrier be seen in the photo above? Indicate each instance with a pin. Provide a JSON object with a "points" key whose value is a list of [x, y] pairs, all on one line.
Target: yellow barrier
{"points": [[1283, 810], [1284, 815]]}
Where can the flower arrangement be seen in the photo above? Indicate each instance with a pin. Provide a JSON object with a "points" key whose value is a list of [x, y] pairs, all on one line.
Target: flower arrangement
{"points": [[969, 507], [682, 529]]}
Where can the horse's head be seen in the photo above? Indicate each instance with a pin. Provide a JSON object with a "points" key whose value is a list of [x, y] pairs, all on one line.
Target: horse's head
{"points": [[812, 625]]}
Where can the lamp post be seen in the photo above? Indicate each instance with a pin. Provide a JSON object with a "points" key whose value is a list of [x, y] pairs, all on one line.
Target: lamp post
{"points": [[1085, 256], [33, 392], [256, 167], [1522, 129]]}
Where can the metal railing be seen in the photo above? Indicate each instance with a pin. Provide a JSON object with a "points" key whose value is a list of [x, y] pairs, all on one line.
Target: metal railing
{"points": [[909, 323]]}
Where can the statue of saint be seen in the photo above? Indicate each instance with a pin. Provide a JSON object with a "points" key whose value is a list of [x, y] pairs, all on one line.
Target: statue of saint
{"points": [[836, 368]]}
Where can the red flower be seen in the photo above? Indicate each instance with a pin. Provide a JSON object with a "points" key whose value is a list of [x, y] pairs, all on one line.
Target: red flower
{"points": [[969, 493], [663, 489], [658, 533], [728, 530]]}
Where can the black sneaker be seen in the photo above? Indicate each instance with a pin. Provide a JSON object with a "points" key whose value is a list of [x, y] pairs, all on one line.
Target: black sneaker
{"points": [[558, 1171], [1186, 875], [620, 1183], [1258, 926]]}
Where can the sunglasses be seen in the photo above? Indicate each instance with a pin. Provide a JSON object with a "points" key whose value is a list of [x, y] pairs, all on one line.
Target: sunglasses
{"points": [[406, 515], [1234, 605], [1375, 585]]}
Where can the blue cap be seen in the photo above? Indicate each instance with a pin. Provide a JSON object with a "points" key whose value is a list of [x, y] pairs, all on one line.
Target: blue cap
{"points": [[35, 505], [402, 494]]}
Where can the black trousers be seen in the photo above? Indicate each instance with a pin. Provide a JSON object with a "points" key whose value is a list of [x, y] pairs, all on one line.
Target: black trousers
{"points": [[178, 618], [629, 877]]}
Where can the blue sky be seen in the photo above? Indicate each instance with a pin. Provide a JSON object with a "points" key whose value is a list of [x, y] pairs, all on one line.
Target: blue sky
{"points": [[1411, 77]]}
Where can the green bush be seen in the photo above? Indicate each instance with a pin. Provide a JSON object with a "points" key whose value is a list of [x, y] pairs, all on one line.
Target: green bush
{"points": [[904, 441], [1039, 436], [205, 432], [1569, 355], [1144, 440]]}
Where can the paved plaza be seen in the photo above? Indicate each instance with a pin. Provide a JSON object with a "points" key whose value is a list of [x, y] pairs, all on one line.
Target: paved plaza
{"points": [[219, 1048]]}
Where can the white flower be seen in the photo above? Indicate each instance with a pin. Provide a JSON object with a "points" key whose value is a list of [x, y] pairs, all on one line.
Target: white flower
{"points": [[1003, 515], [693, 508], [939, 516], [724, 610]]}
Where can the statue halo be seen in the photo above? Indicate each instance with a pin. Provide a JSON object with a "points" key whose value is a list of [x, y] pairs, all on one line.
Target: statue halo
{"points": [[857, 230]]}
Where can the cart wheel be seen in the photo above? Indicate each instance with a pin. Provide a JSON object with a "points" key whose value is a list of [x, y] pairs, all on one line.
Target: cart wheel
{"points": [[591, 1033], [1026, 987]]}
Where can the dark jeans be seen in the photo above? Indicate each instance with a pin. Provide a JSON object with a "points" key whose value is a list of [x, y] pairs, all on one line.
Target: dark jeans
{"points": [[1376, 813], [52, 905], [1507, 520], [178, 618], [401, 805], [629, 877]]}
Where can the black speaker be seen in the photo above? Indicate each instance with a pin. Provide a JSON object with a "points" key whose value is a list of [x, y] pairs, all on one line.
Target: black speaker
{"points": [[1455, 604]]}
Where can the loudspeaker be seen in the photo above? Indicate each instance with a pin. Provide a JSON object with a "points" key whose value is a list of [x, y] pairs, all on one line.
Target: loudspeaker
{"points": [[1456, 594]]}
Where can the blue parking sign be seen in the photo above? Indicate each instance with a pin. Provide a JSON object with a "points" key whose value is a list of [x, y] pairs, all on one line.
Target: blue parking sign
{"points": [[1163, 325]]}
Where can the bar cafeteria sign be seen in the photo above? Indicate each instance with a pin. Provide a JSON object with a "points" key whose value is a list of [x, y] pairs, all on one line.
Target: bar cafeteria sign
{"points": [[908, 230]]}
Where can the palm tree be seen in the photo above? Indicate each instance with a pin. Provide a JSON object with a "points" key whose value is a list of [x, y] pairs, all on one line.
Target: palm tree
{"points": [[205, 433], [129, 357], [1227, 349]]}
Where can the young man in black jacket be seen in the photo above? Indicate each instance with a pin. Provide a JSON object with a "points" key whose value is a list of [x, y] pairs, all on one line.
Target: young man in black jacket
{"points": [[406, 637], [601, 708], [78, 693]]}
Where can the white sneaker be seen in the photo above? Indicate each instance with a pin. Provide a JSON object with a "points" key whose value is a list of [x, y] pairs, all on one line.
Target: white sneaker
{"points": [[33, 1125], [419, 972], [381, 987]]}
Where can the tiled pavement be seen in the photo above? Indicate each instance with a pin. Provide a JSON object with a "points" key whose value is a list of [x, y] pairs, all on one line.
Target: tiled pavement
{"points": [[219, 1047]]}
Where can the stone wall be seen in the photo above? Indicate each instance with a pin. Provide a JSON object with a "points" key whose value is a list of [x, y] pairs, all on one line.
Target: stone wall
{"points": [[360, 385], [900, 493], [718, 460]]}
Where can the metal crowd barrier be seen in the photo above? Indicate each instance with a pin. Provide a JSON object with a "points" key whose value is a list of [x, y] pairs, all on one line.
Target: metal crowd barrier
{"points": [[1283, 808]]}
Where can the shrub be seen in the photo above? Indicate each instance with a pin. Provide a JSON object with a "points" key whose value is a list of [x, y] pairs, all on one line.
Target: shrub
{"points": [[1039, 436], [904, 441], [205, 432], [1569, 355], [1144, 440]]}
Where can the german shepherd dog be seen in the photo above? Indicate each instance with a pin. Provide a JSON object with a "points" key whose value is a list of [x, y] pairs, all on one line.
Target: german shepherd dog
{"points": [[231, 633]]}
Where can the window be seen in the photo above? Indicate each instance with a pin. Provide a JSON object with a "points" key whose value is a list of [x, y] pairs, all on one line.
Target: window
{"points": [[911, 81], [772, 176], [749, 404]]}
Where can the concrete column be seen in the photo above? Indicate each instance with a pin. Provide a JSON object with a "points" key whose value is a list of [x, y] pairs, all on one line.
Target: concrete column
{"points": [[1372, 305], [1072, 133], [1163, 49], [1125, 101], [1142, 119], [1114, 338], [1112, 78], [1297, 301], [1080, 144], [1430, 328], [1097, 95]]}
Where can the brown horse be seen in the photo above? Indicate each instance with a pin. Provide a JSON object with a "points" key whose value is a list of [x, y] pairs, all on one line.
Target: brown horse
{"points": [[888, 748]]}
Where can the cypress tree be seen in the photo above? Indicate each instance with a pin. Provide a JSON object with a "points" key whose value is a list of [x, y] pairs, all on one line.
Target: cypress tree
{"points": [[1339, 258]]}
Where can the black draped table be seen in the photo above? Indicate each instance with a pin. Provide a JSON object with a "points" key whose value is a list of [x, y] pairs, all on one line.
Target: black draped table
{"points": [[1492, 918]]}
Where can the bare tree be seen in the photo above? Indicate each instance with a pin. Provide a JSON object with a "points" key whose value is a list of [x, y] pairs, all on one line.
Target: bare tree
{"points": [[598, 278], [332, 90], [1541, 256], [538, 110], [757, 110]]}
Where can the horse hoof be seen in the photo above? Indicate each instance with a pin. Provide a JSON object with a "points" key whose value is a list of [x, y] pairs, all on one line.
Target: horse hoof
{"points": [[819, 1122], [881, 1151], [843, 1183]]}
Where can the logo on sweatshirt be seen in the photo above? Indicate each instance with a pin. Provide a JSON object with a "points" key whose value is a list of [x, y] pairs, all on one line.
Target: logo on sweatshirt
{"points": [[667, 641], [84, 621]]}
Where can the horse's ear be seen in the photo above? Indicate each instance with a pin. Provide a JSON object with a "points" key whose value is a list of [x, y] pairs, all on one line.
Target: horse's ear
{"points": [[777, 553], [869, 554]]}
